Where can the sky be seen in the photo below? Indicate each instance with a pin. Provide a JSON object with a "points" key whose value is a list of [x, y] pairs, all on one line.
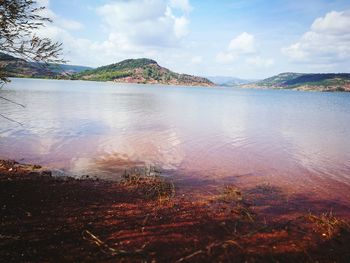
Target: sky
{"points": [[250, 39]]}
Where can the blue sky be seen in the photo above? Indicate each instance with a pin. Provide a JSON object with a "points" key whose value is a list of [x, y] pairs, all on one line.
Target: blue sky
{"points": [[247, 39]]}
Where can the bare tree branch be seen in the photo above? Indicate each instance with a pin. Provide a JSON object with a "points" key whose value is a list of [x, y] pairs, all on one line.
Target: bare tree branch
{"points": [[12, 120], [19, 104], [19, 19]]}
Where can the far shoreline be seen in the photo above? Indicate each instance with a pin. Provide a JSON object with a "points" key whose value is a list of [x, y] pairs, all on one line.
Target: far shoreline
{"points": [[120, 83], [215, 87]]}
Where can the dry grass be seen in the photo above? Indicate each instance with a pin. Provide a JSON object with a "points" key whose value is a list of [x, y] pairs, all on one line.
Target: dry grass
{"points": [[149, 182], [234, 198], [328, 224], [207, 251], [245, 213], [231, 194]]}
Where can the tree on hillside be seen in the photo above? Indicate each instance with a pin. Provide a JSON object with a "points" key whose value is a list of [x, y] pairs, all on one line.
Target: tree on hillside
{"points": [[19, 19]]}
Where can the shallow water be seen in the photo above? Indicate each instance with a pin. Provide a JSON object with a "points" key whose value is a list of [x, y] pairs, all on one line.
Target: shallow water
{"points": [[296, 139]]}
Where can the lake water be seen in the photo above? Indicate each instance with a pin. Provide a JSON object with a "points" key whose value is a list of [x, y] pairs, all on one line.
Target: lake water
{"points": [[299, 140]]}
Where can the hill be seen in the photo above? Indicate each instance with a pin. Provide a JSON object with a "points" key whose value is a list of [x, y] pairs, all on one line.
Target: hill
{"points": [[17, 67], [305, 81], [228, 81], [66, 69], [141, 70]]}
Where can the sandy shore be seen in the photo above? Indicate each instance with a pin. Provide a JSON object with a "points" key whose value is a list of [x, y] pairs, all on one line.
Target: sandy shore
{"points": [[149, 219]]}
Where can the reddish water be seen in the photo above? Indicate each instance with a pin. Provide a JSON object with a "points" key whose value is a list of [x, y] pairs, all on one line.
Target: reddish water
{"points": [[202, 137]]}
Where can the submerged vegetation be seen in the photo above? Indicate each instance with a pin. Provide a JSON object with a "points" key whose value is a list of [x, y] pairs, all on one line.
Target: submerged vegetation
{"points": [[149, 182]]}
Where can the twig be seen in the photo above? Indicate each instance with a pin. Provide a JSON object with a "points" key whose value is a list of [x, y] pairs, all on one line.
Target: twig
{"points": [[87, 235], [209, 248], [7, 118], [2, 83], [19, 104], [190, 256]]}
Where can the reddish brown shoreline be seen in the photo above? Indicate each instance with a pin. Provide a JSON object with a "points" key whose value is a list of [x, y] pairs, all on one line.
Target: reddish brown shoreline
{"points": [[64, 220]]}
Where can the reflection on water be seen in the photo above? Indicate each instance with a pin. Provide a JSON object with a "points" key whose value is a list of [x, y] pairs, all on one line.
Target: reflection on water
{"points": [[294, 138]]}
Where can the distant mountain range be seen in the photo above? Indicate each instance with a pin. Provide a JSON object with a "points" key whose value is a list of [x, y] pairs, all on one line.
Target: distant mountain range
{"points": [[145, 70], [228, 81], [141, 70], [305, 81]]}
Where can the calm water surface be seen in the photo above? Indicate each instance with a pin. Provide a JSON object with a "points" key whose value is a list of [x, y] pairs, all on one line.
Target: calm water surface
{"points": [[300, 140]]}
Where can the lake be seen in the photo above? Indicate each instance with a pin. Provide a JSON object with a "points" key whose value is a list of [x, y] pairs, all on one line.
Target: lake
{"points": [[298, 140]]}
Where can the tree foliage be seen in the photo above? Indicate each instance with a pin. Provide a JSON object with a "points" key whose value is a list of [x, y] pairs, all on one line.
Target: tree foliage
{"points": [[19, 19]]}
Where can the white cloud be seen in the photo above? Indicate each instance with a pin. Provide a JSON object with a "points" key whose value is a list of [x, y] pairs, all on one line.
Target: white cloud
{"points": [[47, 12], [333, 23], [134, 28], [243, 49], [58, 20], [225, 57], [146, 22], [196, 60], [327, 41], [260, 62], [295, 51], [242, 44], [132, 11], [181, 27], [69, 24], [43, 3], [183, 5]]}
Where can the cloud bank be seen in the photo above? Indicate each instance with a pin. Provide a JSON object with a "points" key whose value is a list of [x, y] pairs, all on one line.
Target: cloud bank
{"points": [[243, 48], [135, 28], [186, 39], [326, 44]]}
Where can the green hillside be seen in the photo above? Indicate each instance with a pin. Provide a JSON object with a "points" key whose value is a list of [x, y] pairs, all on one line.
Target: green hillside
{"points": [[141, 70], [305, 81]]}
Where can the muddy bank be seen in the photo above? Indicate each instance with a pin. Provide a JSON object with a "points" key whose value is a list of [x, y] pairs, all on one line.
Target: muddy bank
{"points": [[149, 219]]}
